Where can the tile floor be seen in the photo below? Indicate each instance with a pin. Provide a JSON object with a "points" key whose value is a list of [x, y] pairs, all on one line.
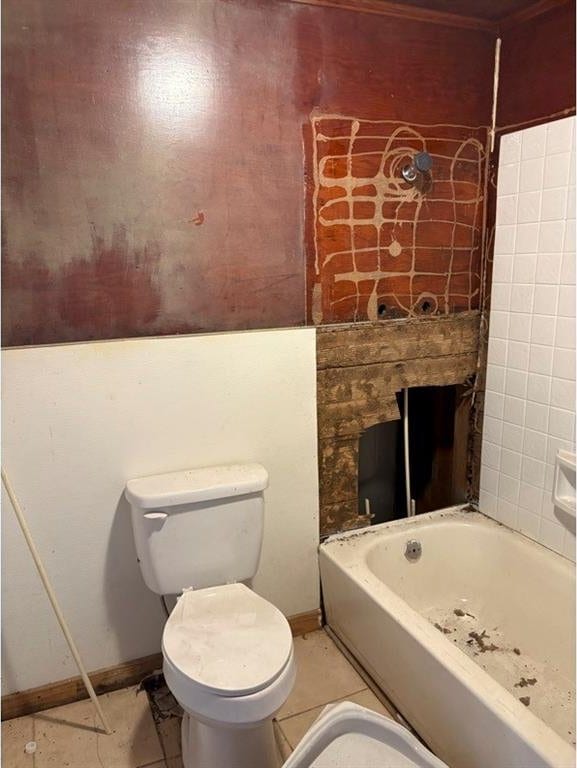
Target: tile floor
{"points": [[147, 733]]}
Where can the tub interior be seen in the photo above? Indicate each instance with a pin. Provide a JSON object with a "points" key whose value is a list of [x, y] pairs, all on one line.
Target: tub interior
{"points": [[506, 602]]}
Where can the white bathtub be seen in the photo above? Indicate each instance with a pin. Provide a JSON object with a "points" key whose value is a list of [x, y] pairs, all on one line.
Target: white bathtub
{"points": [[409, 623]]}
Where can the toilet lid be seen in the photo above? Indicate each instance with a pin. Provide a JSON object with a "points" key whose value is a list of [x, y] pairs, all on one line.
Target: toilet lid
{"points": [[346, 735], [227, 639]]}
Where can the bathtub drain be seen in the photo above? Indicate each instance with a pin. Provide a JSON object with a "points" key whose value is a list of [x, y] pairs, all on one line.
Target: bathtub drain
{"points": [[413, 550]]}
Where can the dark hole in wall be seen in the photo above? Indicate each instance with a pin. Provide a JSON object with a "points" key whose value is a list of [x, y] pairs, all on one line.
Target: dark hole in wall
{"points": [[381, 472], [438, 430]]}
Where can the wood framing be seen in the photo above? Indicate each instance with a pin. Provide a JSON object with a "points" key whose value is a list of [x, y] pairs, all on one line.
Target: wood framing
{"points": [[361, 368], [113, 678]]}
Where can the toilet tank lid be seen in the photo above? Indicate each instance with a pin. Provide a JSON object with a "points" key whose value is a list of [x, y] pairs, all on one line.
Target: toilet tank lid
{"points": [[193, 485]]}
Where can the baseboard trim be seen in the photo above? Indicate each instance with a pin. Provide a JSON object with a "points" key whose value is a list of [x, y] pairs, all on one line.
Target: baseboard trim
{"points": [[303, 623], [112, 678], [72, 689]]}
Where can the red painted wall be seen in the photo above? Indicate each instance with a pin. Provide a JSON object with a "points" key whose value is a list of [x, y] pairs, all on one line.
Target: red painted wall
{"points": [[154, 153], [537, 77]]}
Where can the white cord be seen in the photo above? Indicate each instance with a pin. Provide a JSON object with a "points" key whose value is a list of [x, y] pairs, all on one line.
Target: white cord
{"points": [[52, 597], [495, 90], [410, 506]]}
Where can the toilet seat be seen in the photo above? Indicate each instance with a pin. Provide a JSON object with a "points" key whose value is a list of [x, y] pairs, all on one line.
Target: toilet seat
{"points": [[346, 734], [227, 641]]}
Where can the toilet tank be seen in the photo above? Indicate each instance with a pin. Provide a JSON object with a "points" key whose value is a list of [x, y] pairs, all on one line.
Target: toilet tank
{"points": [[198, 527]]}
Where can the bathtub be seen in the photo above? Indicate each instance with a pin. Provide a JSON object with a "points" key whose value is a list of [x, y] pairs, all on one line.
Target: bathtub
{"points": [[458, 636]]}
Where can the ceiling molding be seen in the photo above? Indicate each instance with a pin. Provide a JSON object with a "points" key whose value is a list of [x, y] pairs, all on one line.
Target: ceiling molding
{"points": [[525, 14], [405, 11]]}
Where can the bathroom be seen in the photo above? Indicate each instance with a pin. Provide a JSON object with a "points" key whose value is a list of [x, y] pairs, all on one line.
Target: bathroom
{"points": [[288, 384]]}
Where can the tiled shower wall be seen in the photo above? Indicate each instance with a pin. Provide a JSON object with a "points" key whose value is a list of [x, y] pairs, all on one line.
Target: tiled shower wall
{"points": [[530, 393]]}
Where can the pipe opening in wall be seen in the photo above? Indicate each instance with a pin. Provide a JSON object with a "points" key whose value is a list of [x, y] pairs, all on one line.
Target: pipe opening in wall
{"points": [[438, 429]]}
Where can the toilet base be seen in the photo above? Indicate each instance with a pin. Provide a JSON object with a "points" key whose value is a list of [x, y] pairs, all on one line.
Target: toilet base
{"points": [[214, 746]]}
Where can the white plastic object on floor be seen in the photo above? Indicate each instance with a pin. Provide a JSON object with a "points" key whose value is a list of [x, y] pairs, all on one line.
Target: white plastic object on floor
{"points": [[564, 485], [347, 735]]}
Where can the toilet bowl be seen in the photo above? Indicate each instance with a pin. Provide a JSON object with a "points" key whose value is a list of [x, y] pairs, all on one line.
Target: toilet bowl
{"points": [[228, 660]]}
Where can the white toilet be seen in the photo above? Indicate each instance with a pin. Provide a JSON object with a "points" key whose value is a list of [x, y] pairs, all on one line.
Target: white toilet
{"points": [[228, 653]]}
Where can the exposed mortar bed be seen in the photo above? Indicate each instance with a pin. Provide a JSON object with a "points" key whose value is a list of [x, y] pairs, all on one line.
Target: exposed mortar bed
{"points": [[540, 687]]}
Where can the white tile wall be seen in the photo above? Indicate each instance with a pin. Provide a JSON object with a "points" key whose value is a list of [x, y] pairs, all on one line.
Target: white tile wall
{"points": [[530, 393]]}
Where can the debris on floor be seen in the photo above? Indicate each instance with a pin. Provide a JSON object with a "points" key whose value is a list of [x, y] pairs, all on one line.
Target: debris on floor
{"points": [[162, 703], [166, 711]]}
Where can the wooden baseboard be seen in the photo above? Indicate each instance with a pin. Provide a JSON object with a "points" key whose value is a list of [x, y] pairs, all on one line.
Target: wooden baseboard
{"points": [[303, 623], [72, 689], [112, 678]]}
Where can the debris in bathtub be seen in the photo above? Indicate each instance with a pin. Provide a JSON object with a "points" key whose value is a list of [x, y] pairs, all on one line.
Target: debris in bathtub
{"points": [[460, 612], [444, 630], [526, 700], [517, 651], [480, 640], [525, 681]]}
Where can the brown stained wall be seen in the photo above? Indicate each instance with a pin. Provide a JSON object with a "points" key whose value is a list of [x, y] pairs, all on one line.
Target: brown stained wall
{"points": [[537, 73], [154, 168]]}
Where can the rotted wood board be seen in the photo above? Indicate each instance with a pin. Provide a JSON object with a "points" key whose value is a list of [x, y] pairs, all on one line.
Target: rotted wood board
{"points": [[360, 370]]}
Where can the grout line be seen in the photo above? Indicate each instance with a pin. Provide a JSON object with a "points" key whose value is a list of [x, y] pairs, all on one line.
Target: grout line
{"points": [[283, 744], [161, 761], [323, 704]]}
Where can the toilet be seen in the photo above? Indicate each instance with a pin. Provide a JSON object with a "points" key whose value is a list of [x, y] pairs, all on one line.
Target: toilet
{"points": [[227, 652]]}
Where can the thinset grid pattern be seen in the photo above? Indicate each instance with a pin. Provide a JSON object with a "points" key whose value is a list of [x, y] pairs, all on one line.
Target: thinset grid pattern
{"points": [[381, 247]]}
